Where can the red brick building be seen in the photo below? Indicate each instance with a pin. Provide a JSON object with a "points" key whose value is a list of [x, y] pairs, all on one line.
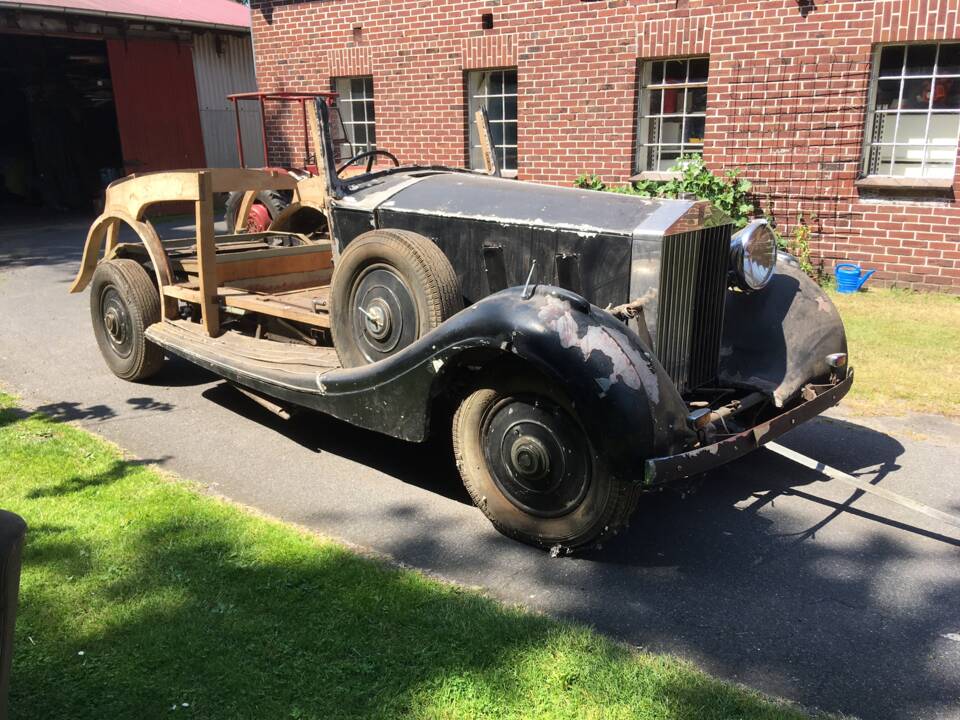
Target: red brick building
{"points": [[844, 112]]}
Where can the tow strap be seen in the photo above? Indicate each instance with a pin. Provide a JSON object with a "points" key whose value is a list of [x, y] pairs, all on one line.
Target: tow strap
{"points": [[835, 474]]}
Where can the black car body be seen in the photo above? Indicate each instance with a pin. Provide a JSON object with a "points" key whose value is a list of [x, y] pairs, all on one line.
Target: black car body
{"points": [[698, 337], [607, 343]]}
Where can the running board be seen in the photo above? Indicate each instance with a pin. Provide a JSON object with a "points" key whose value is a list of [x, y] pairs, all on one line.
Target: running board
{"points": [[243, 359], [889, 495]]}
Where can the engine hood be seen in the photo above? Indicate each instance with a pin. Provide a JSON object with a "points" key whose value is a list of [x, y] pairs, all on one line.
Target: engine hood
{"points": [[512, 202]]}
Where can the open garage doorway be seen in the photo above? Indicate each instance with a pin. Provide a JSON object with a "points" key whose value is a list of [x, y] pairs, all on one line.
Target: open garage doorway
{"points": [[59, 140]]}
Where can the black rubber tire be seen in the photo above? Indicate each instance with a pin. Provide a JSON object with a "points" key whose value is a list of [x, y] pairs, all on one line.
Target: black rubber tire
{"points": [[276, 201], [424, 270], [602, 511], [127, 287]]}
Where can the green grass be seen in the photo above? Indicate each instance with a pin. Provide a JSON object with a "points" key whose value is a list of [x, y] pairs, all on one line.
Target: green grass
{"points": [[139, 594], [905, 348]]}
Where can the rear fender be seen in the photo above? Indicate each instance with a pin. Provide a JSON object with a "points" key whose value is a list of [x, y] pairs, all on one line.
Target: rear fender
{"points": [[621, 394]]}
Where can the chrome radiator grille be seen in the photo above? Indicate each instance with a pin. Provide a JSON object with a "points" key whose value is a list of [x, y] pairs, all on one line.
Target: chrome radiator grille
{"points": [[693, 283]]}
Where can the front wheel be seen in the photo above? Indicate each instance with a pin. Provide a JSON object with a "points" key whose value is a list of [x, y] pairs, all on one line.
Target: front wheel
{"points": [[530, 466]]}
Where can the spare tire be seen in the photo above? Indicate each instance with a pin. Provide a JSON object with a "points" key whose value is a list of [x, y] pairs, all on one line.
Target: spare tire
{"points": [[389, 289]]}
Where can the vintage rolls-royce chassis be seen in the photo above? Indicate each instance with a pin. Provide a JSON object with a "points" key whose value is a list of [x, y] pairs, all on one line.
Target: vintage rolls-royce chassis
{"points": [[585, 347]]}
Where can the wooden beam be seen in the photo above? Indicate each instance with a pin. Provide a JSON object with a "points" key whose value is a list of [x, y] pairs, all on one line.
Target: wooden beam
{"points": [[267, 305], [230, 179], [490, 161], [245, 204], [182, 292], [207, 258]]}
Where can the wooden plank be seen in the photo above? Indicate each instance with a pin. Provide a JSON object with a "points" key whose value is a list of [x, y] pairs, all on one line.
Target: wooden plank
{"points": [[251, 179], [207, 259], [490, 160], [181, 292], [267, 305], [266, 267], [279, 265]]}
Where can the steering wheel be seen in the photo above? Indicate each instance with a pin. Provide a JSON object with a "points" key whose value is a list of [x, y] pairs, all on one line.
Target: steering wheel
{"points": [[369, 155]]}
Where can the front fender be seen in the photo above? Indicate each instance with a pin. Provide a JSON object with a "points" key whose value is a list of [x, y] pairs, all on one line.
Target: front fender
{"points": [[778, 339], [622, 395]]}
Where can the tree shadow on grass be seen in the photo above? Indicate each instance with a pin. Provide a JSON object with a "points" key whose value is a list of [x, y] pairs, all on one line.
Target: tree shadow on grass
{"points": [[117, 470], [254, 623]]}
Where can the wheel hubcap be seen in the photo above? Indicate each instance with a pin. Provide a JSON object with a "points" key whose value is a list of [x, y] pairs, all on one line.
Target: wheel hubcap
{"points": [[116, 322], [529, 458], [378, 319], [537, 455], [385, 317]]}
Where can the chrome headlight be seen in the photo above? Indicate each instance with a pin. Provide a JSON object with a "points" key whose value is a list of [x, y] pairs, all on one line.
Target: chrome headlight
{"points": [[753, 255]]}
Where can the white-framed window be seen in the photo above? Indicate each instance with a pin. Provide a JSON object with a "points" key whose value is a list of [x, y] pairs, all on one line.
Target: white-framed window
{"points": [[913, 119], [356, 108], [672, 114], [495, 90]]}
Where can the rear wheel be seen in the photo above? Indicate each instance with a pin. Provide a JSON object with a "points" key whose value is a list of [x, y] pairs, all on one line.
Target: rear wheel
{"points": [[123, 303], [529, 465], [389, 288]]}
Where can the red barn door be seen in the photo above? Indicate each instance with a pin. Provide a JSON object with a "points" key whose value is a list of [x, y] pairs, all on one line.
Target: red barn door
{"points": [[156, 98]]}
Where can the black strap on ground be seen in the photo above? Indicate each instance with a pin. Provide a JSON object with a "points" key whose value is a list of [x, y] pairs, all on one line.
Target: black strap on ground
{"points": [[835, 474]]}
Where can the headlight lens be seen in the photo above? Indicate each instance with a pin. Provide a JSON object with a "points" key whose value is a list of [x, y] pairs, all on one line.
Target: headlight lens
{"points": [[753, 255]]}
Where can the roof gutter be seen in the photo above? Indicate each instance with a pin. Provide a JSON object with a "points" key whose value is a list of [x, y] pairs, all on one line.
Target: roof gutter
{"points": [[27, 7]]}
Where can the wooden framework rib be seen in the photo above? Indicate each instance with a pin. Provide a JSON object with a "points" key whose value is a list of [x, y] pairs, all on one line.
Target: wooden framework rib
{"points": [[127, 201]]}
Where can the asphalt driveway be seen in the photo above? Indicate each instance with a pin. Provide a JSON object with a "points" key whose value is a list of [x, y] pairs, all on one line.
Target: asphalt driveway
{"points": [[760, 574]]}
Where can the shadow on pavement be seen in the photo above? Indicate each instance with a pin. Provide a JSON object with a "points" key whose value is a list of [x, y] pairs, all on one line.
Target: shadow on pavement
{"points": [[428, 465], [742, 570], [41, 240]]}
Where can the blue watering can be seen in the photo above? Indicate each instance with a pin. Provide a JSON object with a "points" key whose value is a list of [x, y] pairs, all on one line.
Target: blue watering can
{"points": [[850, 277]]}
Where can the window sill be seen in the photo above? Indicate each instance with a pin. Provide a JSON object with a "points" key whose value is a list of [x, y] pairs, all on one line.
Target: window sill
{"points": [[881, 182], [655, 176]]}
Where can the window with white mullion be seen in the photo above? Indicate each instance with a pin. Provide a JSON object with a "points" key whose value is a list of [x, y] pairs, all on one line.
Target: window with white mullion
{"points": [[672, 113], [356, 108], [915, 111], [495, 90]]}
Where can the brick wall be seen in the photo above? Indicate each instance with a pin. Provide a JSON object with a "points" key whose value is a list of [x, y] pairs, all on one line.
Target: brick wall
{"points": [[786, 101]]}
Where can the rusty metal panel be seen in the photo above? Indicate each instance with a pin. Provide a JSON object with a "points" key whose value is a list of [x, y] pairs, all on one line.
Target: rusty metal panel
{"points": [[222, 65], [156, 99]]}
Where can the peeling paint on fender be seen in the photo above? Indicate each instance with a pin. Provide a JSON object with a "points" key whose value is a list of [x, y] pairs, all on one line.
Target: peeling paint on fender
{"points": [[629, 365]]}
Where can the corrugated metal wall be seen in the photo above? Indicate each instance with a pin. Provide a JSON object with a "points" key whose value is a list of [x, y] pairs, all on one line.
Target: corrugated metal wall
{"points": [[218, 75]]}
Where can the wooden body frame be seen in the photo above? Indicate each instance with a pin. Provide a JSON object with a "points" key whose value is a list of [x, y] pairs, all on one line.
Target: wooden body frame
{"points": [[127, 201]]}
